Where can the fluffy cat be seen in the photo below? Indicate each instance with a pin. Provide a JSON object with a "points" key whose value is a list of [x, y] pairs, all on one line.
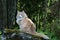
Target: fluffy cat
{"points": [[26, 24]]}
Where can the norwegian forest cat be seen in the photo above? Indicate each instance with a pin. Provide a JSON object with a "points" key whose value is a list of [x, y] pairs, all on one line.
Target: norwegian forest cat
{"points": [[26, 24]]}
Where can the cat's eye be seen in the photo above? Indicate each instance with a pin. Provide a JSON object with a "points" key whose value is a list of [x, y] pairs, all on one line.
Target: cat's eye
{"points": [[20, 16]]}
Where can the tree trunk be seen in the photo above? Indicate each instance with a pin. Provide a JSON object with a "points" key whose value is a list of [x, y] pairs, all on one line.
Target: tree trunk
{"points": [[7, 15], [3, 14], [11, 10]]}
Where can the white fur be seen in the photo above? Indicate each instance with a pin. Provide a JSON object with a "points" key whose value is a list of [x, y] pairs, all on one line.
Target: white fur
{"points": [[19, 18]]}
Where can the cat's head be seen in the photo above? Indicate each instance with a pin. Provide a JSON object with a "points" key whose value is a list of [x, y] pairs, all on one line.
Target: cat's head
{"points": [[20, 15]]}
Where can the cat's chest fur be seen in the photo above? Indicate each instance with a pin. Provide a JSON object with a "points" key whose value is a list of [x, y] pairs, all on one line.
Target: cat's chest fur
{"points": [[26, 22], [26, 25]]}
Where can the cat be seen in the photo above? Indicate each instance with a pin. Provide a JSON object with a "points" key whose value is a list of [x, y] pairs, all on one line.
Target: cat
{"points": [[26, 24]]}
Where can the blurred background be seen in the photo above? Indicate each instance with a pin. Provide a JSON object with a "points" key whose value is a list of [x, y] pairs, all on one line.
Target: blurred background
{"points": [[44, 13]]}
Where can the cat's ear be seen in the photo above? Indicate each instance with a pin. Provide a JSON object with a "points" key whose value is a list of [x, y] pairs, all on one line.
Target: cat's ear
{"points": [[23, 11]]}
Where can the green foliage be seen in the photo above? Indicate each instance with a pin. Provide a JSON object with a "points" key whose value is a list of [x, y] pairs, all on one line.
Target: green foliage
{"points": [[43, 14]]}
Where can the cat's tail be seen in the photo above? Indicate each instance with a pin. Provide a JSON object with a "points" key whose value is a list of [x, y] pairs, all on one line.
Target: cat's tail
{"points": [[42, 36]]}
